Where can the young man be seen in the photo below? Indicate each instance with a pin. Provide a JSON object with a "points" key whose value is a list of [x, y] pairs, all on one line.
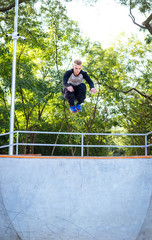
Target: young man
{"points": [[75, 89]]}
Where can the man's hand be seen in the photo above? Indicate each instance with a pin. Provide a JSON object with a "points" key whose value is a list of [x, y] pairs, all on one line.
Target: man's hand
{"points": [[70, 89], [93, 90]]}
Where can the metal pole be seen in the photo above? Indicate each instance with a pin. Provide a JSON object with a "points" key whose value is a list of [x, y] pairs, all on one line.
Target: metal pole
{"points": [[82, 145], [17, 141], [145, 145], [15, 37]]}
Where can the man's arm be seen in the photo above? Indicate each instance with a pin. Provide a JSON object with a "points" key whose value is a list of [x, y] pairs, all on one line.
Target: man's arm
{"points": [[88, 79], [66, 77], [90, 82]]}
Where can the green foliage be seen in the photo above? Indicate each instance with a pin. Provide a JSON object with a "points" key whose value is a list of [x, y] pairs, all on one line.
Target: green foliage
{"points": [[122, 76], [143, 6]]}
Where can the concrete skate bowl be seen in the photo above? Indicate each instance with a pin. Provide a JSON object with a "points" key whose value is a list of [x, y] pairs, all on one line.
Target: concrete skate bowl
{"points": [[77, 198]]}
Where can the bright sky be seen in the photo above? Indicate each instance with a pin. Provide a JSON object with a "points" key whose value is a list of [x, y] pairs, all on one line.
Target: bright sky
{"points": [[104, 21]]}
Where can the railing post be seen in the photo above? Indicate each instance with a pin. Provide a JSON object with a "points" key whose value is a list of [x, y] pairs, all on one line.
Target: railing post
{"points": [[17, 140], [146, 145], [82, 145]]}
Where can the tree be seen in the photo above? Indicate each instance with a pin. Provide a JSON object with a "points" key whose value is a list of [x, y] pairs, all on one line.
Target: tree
{"points": [[144, 7], [49, 45], [8, 5], [121, 74], [136, 94]]}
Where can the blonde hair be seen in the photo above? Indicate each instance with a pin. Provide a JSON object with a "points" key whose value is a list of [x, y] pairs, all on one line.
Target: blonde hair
{"points": [[78, 62]]}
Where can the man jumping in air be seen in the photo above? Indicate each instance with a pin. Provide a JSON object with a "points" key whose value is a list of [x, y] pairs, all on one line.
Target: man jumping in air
{"points": [[75, 89]]}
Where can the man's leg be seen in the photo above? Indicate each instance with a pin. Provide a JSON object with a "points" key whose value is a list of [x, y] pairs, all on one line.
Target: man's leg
{"points": [[70, 97], [80, 93]]}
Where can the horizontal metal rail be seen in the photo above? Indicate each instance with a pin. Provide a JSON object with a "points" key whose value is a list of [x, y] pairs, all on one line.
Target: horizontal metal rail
{"points": [[5, 146], [149, 133], [82, 135], [72, 133], [76, 145], [3, 134], [149, 145]]}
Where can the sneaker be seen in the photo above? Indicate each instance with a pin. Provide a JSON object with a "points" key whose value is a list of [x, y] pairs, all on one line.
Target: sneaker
{"points": [[73, 109], [78, 108]]}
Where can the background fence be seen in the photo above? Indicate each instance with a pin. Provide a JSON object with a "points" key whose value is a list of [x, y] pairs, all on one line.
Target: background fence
{"points": [[77, 140]]}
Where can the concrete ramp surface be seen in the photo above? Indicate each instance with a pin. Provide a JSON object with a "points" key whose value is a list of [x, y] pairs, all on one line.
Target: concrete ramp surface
{"points": [[48, 198]]}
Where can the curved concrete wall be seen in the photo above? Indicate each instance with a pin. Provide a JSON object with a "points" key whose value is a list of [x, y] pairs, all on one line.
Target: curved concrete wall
{"points": [[75, 198]]}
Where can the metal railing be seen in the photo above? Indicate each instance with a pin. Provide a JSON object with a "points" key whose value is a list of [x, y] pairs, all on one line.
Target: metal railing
{"points": [[82, 145]]}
